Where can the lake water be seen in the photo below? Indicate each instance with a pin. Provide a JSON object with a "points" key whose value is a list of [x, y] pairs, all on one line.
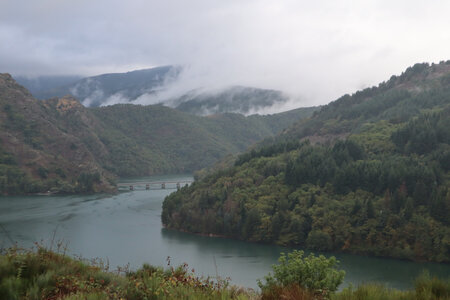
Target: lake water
{"points": [[126, 229]]}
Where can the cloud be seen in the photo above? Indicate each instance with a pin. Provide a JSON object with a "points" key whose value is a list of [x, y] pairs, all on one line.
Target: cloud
{"points": [[312, 50]]}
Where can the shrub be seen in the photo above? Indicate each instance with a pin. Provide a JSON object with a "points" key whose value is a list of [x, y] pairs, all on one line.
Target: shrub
{"points": [[316, 274]]}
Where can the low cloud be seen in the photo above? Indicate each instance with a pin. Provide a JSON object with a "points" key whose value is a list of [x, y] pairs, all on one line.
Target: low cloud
{"points": [[313, 51]]}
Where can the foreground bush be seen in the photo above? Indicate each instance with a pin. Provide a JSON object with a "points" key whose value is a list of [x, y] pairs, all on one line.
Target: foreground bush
{"points": [[315, 275]]}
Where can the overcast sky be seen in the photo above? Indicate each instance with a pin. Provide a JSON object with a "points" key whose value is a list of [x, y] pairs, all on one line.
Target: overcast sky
{"points": [[315, 50]]}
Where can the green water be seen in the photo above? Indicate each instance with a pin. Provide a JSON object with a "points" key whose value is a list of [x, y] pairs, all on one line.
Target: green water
{"points": [[126, 229]]}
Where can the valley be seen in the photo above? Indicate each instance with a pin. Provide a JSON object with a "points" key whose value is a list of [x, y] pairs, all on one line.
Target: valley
{"points": [[58, 145]]}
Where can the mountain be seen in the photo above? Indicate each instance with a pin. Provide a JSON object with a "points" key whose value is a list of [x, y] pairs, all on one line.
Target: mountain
{"points": [[43, 144], [109, 89], [101, 89], [236, 99], [368, 173], [59, 144]]}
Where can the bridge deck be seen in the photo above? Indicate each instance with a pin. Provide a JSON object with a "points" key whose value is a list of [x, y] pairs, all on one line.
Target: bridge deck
{"points": [[127, 184]]}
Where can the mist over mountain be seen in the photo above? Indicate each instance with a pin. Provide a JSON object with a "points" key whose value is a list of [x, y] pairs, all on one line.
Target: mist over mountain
{"points": [[159, 85], [238, 99], [102, 89], [107, 89]]}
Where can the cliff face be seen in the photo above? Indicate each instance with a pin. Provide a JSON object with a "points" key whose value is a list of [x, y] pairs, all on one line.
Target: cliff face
{"points": [[44, 144]]}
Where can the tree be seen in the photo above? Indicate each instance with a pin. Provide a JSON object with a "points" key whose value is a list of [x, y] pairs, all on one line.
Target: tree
{"points": [[409, 209], [319, 240], [314, 273], [370, 211], [252, 221], [86, 182]]}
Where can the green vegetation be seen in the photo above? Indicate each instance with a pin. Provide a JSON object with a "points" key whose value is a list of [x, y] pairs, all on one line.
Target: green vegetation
{"points": [[368, 174], [43, 274]]}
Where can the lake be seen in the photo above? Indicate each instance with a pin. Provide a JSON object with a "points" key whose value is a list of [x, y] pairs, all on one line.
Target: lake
{"points": [[126, 229]]}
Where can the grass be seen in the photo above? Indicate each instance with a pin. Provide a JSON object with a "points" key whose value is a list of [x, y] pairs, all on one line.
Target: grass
{"points": [[425, 288], [45, 274]]}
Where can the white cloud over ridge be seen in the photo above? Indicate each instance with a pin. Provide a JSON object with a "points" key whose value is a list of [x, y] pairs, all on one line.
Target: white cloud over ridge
{"points": [[314, 51]]}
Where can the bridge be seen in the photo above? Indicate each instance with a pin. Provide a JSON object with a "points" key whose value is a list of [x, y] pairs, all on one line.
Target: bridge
{"points": [[153, 185]]}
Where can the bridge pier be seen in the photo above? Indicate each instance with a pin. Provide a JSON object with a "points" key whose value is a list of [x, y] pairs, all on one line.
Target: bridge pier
{"points": [[178, 185], [163, 185], [131, 187], [147, 186]]}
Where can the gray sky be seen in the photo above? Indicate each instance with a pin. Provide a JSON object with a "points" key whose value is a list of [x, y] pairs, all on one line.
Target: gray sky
{"points": [[315, 50]]}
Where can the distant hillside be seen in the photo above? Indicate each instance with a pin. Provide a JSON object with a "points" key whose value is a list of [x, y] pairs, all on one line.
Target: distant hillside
{"points": [[369, 174], [236, 99], [114, 88], [144, 140], [59, 144]]}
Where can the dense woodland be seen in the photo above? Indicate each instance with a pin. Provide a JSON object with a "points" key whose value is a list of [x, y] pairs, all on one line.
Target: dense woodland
{"points": [[368, 174]]}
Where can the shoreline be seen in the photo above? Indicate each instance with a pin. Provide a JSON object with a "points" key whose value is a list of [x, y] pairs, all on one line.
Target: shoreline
{"points": [[304, 248]]}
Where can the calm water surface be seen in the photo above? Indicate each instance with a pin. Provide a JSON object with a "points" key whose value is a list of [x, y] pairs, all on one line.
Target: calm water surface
{"points": [[126, 228]]}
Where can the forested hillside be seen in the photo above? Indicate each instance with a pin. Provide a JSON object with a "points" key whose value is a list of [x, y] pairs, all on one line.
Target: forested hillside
{"points": [[367, 174], [144, 140], [59, 145]]}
